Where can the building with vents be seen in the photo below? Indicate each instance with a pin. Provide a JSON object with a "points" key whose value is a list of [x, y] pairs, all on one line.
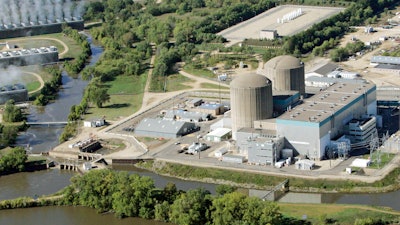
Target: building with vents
{"points": [[33, 56], [16, 92], [38, 27], [251, 99], [386, 62], [286, 73], [153, 127], [323, 117]]}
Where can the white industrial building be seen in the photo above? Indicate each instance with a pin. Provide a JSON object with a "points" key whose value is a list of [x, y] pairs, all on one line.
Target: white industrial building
{"points": [[323, 117], [218, 135]]}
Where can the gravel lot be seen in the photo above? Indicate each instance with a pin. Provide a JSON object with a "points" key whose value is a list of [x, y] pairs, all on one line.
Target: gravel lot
{"points": [[268, 21]]}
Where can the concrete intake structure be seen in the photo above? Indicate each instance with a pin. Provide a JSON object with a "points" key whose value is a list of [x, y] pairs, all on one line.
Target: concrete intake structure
{"points": [[286, 73], [251, 99]]}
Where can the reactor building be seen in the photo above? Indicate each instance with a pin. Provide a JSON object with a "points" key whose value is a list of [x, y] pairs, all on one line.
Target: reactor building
{"points": [[33, 56], [251, 99], [286, 73]]}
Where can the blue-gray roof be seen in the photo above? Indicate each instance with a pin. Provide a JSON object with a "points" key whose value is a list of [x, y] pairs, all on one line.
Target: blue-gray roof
{"points": [[210, 106], [385, 60], [161, 126]]}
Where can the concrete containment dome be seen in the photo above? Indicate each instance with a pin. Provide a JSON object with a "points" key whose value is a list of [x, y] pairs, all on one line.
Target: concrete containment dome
{"points": [[286, 73], [251, 99]]}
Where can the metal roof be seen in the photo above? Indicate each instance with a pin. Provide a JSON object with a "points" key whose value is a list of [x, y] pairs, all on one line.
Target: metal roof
{"points": [[334, 80], [325, 103], [219, 132], [385, 60], [324, 69], [210, 106], [160, 125], [186, 114]]}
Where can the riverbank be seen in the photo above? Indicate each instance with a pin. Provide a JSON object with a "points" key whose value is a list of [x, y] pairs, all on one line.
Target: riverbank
{"points": [[266, 182]]}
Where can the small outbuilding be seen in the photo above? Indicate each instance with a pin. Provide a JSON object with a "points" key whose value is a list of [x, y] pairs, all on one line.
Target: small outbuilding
{"points": [[155, 127], [362, 163], [95, 122], [305, 164], [219, 134]]}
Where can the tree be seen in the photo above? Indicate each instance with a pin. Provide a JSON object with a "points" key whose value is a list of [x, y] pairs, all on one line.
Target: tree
{"points": [[224, 189], [191, 208], [14, 160], [12, 113]]}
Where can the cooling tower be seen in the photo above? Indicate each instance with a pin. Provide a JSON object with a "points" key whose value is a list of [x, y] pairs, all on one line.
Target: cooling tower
{"points": [[251, 99], [286, 73]]}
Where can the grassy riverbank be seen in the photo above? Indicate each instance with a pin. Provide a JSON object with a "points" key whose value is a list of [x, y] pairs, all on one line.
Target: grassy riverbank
{"points": [[262, 181]]}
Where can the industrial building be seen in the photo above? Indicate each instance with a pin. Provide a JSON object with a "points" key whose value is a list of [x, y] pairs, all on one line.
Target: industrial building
{"points": [[268, 34], [38, 27], [286, 73], [218, 135], [16, 92], [251, 99], [322, 117], [386, 62], [33, 56], [187, 116], [154, 127]]}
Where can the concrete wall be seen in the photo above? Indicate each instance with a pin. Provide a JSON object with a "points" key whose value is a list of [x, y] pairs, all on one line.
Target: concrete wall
{"points": [[16, 95], [38, 30]]}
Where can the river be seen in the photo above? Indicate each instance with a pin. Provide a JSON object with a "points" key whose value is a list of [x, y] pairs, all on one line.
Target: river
{"points": [[42, 139]]}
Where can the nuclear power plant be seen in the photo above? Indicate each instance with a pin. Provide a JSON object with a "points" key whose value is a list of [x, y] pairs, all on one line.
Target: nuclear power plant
{"points": [[33, 56], [310, 127], [19, 18]]}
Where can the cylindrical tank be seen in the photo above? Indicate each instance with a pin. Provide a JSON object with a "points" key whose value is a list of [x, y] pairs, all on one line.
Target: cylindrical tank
{"points": [[286, 73], [251, 99]]}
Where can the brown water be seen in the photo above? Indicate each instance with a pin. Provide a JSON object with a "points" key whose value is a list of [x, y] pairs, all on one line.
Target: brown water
{"points": [[59, 215]]}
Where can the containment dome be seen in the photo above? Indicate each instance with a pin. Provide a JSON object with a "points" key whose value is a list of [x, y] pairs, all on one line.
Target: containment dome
{"points": [[251, 99], [286, 73]]}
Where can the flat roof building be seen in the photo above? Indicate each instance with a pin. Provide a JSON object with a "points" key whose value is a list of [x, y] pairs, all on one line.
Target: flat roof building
{"points": [[323, 116], [151, 127]]}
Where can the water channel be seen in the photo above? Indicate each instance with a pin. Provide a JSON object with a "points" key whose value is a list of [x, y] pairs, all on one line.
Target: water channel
{"points": [[42, 139]]}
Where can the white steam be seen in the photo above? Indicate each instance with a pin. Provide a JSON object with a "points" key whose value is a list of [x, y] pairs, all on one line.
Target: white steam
{"points": [[33, 11]]}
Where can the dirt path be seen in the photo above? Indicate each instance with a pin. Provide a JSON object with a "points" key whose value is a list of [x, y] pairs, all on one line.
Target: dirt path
{"points": [[147, 94], [39, 78]]}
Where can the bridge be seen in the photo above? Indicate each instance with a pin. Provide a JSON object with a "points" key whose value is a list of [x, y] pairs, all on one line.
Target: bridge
{"points": [[51, 123], [277, 192]]}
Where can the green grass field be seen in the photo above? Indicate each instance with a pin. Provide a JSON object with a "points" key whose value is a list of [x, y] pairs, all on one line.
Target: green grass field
{"points": [[175, 82], [213, 86], [335, 213], [126, 95]]}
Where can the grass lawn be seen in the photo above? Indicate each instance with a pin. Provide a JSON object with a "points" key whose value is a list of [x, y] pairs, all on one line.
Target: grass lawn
{"points": [[199, 72], [175, 82], [33, 42], [385, 158], [126, 95], [336, 214], [31, 86], [213, 86]]}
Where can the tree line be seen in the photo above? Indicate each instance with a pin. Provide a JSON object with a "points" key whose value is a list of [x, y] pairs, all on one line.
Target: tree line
{"points": [[131, 195], [10, 127]]}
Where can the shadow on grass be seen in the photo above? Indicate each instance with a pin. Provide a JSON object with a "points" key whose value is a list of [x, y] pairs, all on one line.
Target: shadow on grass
{"points": [[117, 106]]}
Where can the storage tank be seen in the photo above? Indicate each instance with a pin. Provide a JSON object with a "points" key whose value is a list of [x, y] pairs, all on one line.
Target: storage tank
{"points": [[286, 73], [251, 99]]}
